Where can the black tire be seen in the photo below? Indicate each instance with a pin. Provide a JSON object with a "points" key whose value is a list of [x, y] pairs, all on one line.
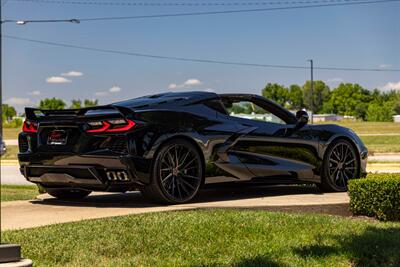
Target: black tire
{"points": [[68, 194], [340, 165], [177, 173]]}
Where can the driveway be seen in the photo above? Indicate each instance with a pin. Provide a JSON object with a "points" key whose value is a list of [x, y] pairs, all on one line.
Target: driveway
{"points": [[47, 210], [10, 174]]}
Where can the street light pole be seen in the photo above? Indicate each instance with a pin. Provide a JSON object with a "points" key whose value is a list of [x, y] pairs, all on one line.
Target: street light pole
{"points": [[21, 23], [312, 90]]}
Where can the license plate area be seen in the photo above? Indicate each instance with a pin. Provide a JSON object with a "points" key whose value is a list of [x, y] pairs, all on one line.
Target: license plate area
{"points": [[57, 138]]}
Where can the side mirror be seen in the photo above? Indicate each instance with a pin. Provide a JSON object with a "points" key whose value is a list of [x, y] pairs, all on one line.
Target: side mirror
{"points": [[302, 118]]}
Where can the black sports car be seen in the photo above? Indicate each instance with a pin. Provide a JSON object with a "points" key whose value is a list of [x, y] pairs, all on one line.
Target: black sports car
{"points": [[168, 145]]}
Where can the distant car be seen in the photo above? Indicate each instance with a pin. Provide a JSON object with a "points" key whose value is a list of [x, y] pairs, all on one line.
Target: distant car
{"points": [[168, 145], [3, 148]]}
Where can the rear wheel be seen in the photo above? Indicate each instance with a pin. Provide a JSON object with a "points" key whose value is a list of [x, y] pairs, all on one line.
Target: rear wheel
{"points": [[340, 165], [177, 173], [67, 194]]}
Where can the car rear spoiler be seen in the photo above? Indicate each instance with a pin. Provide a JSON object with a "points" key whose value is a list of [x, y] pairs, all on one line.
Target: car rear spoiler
{"points": [[37, 114]]}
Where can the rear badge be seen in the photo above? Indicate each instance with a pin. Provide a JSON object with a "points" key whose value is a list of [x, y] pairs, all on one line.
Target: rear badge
{"points": [[57, 137]]}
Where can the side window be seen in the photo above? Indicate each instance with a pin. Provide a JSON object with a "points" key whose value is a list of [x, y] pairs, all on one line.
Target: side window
{"points": [[249, 110]]}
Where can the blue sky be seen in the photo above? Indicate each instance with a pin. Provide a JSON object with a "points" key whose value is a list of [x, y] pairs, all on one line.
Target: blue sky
{"points": [[366, 36]]}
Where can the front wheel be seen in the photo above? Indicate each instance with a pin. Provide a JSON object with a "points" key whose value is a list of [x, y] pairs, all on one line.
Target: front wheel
{"points": [[67, 194], [340, 165], [177, 173]]}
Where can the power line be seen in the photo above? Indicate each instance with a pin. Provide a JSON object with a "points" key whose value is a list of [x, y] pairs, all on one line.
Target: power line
{"points": [[229, 11], [23, 22], [196, 60], [186, 4]]}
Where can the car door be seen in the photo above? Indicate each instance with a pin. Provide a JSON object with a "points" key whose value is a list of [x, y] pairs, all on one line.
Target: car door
{"points": [[275, 151]]}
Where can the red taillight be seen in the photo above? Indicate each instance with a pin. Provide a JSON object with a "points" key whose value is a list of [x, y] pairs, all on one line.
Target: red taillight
{"points": [[129, 125], [30, 127], [103, 128], [107, 127]]}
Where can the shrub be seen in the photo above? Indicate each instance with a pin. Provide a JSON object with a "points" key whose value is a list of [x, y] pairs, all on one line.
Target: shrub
{"points": [[378, 195], [15, 123]]}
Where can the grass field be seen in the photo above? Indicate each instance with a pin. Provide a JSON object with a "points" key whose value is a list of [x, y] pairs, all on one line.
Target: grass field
{"points": [[18, 192], [361, 127], [373, 135], [213, 238], [11, 153], [382, 144], [11, 133]]}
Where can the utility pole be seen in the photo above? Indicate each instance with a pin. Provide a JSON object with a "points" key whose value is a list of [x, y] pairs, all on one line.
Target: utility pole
{"points": [[312, 90]]}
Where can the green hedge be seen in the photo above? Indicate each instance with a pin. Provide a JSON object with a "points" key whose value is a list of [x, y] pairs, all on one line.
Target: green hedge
{"points": [[378, 195]]}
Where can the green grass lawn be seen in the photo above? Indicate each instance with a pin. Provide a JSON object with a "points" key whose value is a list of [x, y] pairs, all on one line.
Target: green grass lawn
{"points": [[18, 192], [11, 153], [11, 133], [362, 127], [213, 238], [380, 144]]}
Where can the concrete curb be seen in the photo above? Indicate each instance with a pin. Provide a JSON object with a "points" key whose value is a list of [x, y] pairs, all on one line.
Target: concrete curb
{"points": [[21, 263]]}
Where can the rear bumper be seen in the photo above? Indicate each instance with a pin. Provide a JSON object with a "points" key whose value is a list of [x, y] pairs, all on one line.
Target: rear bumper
{"points": [[96, 173]]}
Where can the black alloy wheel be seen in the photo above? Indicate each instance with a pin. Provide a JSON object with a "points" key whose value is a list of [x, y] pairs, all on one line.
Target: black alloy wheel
{"points": [[177, 173], [340, 165]]}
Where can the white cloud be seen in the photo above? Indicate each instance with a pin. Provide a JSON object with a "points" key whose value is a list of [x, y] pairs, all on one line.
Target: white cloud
{"points": [[335, 80], [209, 90], [391, 86], [115, 89], [57, 79], [18, 101], [72, 74], [186, 84], [385, 66], [191, 82], [172, 86], [36, 92]]}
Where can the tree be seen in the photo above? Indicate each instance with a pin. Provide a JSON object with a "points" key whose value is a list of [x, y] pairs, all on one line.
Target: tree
{"points": [[76, 103], [349, 99], [276, 92], [380, 111], [91, 103], [321, 94], [52, 103], [8, 112], [296, 97]]}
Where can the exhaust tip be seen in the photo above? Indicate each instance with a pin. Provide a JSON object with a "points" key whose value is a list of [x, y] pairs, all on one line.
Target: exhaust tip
{"points": [[122, 176], [111, 175], [117, 176]]}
